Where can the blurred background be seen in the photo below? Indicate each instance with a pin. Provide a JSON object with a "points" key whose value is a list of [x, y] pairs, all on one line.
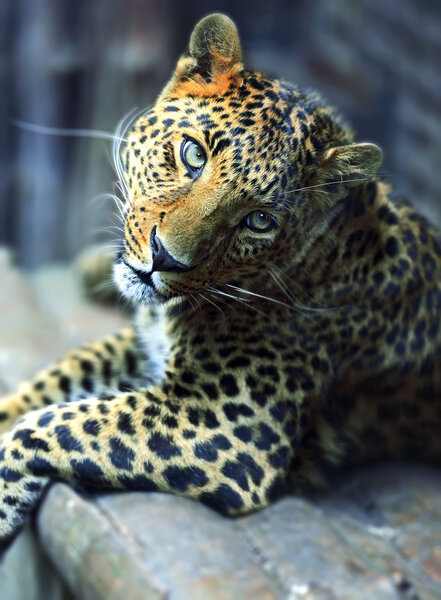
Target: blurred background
{"points": [[85, 64]]}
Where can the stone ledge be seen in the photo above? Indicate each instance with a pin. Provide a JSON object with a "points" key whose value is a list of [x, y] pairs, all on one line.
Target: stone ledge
{"points": [[376, 534]]}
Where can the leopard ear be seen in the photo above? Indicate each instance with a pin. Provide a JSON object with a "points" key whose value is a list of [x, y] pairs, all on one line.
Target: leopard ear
{"points": [[214, 56], [351, 164]]}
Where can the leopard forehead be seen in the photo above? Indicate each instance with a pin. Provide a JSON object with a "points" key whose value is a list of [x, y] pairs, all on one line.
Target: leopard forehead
{"points": [[259, 134]]}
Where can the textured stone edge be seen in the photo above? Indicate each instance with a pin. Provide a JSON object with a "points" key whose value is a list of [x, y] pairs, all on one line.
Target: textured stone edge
{"points": [[93, 558]]}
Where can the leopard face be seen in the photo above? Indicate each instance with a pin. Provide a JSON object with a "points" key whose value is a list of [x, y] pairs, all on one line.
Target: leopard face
{"points": [[226, 177]]}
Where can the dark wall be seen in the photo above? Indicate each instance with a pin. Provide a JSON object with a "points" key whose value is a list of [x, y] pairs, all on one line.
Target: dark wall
{"points": [[84, 64]]}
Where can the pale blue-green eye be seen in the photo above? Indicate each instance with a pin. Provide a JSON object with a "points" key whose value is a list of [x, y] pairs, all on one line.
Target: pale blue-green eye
{"points": [[193, 155], [259, 221]]}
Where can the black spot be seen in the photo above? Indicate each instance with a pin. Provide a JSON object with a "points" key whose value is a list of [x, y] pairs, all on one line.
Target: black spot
{"points": [[226, 351], [189, 434], [139, 483], [180, 478], [29, 441], [222, 499], [278, 411], [181, 392], [221, 442], [263, 352], [10, 500], [87, 384], [221, 145], [392, 246], [152, 411], [211, 390], [238, 362], [205, 451], [379, 255], [103, 408], [188, 377], [86, 366], [121, 456], [148, 467], [10, 475], [125, 386], [125, 424], [109, 347], [130, 360], [250, 381], [163, 447], [91, 427], [400, 349], [87, 471], [210, 420], [107, 371], [243, 433], [4, 416], [233, 411], [65, 384], [66, 440], [33, 486], [236, 471], [276, 489], [131, 402], [45, 419], [279, 459], [268, 437], [308, 385], [252, 467], [39, 466], [170, 422], [193, 416], [211, 367]]}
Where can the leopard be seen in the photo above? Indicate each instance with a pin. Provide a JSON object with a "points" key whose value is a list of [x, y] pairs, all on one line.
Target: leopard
{"points": [[287, 307]]}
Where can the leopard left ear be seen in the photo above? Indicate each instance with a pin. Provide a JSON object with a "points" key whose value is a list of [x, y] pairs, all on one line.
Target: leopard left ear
{"points": [[351, 164], [214, 56]]}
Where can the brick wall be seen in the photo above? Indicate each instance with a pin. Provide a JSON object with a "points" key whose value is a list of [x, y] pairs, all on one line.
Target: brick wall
{"points": [[85, 65], [380, 62]]}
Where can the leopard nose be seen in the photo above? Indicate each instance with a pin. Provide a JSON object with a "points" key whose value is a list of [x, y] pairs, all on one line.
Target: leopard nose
{"points": [[161, 259]]}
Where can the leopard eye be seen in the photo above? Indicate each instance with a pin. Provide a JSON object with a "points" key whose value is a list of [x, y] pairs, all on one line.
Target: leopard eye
{"points": [[193, 155], [259, 221]]}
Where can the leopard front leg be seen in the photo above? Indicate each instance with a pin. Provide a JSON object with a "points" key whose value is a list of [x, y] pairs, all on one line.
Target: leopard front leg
{"points": [[107, 366], [222, 453]]}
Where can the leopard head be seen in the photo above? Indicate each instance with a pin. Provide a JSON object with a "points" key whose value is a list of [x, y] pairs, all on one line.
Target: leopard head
{"points": [[229, 174]]}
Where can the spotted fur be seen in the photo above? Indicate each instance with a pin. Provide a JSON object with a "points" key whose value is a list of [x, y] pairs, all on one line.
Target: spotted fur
{"points": [[258, 356]]}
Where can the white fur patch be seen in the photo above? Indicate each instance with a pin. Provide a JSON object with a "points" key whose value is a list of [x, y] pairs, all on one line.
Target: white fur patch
{"points": [[150, 327]]}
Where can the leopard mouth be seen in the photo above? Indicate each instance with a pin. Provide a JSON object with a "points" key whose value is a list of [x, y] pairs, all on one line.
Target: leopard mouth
{"points": [[136, 285], [143, 276]]}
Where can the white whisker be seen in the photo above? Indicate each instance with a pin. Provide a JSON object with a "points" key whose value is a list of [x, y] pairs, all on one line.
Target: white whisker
{"points": [[244, 301], [62, 131], [211, 302]]}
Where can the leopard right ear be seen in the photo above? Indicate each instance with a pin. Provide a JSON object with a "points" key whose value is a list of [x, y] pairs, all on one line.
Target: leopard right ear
{"points": [[213, 59], [348, 166], [353, 162]]}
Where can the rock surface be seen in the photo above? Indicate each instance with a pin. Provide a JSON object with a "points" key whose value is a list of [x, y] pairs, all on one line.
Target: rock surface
{"points": [[376, 534]]}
